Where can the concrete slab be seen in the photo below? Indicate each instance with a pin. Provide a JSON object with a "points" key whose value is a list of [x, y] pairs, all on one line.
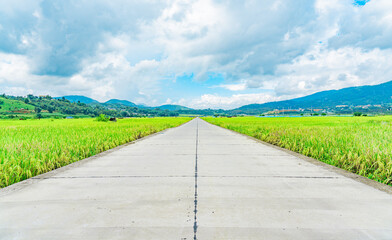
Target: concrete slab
{"points": [[146, 190], [252, 191]]}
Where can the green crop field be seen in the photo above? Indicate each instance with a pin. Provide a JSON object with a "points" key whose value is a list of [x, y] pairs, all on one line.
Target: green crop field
{"points": [[32, 147], [361, 145]]}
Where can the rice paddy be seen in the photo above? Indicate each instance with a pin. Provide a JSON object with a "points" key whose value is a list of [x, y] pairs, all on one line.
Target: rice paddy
{"points": [[361, 145], [32, 147]]}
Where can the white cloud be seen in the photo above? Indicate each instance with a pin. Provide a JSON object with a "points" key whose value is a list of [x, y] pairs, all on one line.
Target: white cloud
{"points": [[168, 101], [232, 87], [323, 69], [234, 101], [13, 66], [130, 49]]}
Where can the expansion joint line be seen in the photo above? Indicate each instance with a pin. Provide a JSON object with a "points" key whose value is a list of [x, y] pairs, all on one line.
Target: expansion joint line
{"points": [[195, 210]]}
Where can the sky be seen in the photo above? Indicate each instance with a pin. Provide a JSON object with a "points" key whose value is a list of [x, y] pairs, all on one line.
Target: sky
{"points": [[196, 53]]}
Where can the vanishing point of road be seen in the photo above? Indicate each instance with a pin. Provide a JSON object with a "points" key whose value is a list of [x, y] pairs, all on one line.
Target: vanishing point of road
{"points": [[196, 181]]}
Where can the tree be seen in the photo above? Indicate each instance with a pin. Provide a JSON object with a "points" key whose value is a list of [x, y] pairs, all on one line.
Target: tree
{"points": [[124, 114], [38, 116], [51, 109], [38, 110], [102, 118]]}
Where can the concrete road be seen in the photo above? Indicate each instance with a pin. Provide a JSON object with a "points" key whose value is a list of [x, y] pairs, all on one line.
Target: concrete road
{"points": [[240, 189]]}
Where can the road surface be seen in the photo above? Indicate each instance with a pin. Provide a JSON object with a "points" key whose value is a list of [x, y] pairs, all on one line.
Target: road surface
{"points": [[196, 181]]}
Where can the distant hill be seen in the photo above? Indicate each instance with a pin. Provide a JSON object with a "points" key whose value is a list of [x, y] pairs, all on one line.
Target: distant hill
{"points": [[123, 102], [171, 107], [76, 98], [363, 95]]}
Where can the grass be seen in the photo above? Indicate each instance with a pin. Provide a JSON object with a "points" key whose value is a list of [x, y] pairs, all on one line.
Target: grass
{"points": [[32, 147], [361, 145], [7, 105]]}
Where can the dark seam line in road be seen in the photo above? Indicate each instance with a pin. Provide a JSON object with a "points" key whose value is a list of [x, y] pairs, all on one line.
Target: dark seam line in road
{"points": [[195, 201], [244, 154], [183, 176], [147, 155], [170, 176], [268, 177]]}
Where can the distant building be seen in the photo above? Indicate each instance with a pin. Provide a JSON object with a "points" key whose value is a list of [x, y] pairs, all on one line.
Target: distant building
{"points": [[284, 111]]}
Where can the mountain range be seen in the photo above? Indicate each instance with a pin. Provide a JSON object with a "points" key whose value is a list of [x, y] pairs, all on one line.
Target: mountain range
{"points": [[87, 100], [352, 96]]}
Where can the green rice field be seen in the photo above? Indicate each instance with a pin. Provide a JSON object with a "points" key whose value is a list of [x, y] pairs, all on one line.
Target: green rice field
{"points": [[32, 147], [361, 145]]}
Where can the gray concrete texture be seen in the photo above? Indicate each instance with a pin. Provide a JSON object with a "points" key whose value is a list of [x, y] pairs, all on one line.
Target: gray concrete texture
{"points": [[146, 190]]}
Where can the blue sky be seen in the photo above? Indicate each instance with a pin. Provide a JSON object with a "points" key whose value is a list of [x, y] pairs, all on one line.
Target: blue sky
{"points": [[360, 2], [197, 53]]}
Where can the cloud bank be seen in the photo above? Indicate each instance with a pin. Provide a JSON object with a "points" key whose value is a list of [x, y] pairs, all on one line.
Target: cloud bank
{"points": [[137, 50]]}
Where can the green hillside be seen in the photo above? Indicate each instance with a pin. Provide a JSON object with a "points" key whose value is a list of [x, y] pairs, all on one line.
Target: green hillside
{"points": [[16, 106]]}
